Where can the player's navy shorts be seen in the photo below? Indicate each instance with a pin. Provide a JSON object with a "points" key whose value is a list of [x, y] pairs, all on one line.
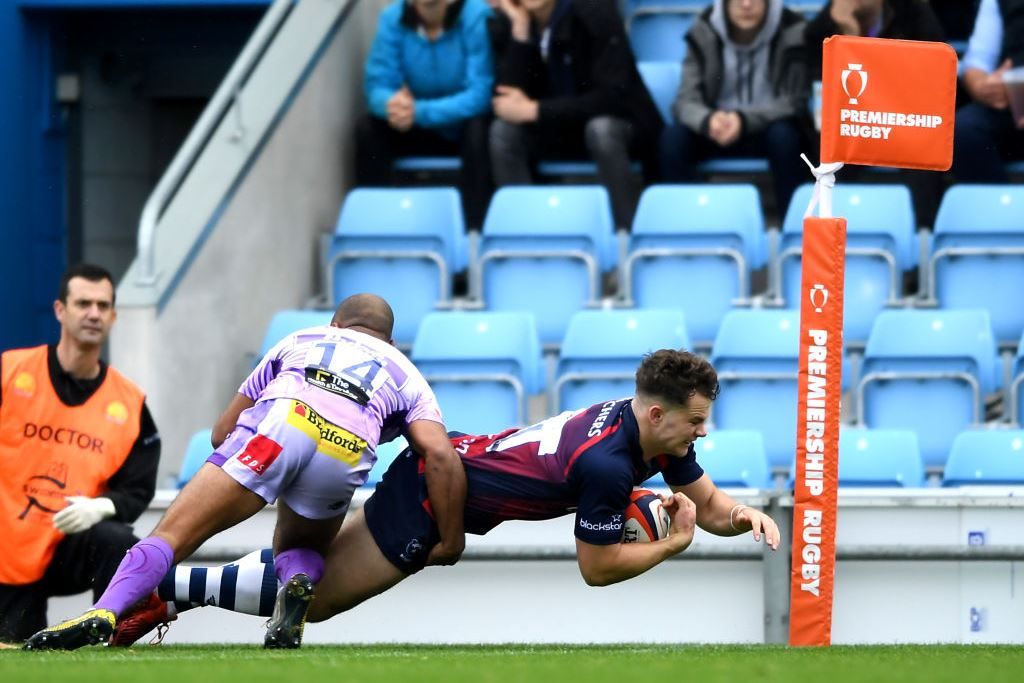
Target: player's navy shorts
{"points": [[397, 517]]}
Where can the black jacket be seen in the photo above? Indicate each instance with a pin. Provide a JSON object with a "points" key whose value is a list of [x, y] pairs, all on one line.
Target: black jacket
{"points": [[901, 19], [591, 41]]}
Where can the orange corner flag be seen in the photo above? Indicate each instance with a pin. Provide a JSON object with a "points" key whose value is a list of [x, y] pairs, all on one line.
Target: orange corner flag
{"points": [[888, 102]]}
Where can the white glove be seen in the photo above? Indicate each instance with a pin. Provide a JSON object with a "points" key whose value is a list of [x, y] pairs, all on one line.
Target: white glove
{"points": [[82, 513]]}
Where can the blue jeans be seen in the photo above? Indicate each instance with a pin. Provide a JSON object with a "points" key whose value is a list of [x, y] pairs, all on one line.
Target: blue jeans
{"points": [[681, 150]]}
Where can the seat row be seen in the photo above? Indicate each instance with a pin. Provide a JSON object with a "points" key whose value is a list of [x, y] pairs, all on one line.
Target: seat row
{"points": [[925, 371], [692, 247]]}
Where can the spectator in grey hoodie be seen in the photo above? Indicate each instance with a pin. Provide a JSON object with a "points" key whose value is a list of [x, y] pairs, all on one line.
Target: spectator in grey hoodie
{"points": [[744, 93]]}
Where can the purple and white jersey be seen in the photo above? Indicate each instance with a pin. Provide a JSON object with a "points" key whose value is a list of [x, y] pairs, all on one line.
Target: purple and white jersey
{"points": [[351, 379]]}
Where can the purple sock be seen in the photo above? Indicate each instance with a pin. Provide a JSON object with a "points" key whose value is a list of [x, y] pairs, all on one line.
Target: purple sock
{"points": [[138, 575], [299, 561]]}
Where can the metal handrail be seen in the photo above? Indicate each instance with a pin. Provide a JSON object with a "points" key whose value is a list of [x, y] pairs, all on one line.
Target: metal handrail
{"points": [[409, 254], [556, 390], [515, 382], [885, 255], [589, 262], [859, 553], [888, 376], [949, 252], [1015, 397], [669, 252], [202, 131]]}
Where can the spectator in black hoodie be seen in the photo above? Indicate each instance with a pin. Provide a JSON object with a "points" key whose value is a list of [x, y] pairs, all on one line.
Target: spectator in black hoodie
{"points": [[567, 85]]}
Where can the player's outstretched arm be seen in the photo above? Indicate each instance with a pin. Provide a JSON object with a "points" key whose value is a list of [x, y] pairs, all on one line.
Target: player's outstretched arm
{"points": [[719, 513], [603, 565], [446, 488]]}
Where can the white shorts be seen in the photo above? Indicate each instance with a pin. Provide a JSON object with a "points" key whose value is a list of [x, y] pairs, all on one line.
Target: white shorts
{"points": [[282, 448]]}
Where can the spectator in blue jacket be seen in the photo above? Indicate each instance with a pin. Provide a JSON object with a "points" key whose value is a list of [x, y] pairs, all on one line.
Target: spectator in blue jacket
{"points": [[428, 83]]}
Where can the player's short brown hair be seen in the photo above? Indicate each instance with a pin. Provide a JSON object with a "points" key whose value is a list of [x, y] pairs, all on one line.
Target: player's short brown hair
{"points": [[675, 376]]}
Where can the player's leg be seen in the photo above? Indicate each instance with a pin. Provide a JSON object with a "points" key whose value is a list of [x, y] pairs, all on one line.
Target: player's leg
{"points": [[300, 544], [355, 571], [247, 586], [380, 544]]}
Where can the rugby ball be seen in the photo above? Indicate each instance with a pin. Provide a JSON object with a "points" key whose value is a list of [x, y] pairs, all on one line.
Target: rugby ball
{"points": [[646, 519]]}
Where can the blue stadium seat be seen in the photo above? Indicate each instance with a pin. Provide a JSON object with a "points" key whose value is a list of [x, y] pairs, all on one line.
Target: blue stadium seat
{"points": [[879, 457], [881, 244], [979, 240], [420, 164], [404, 244], [692, 6], [809, 8], [662, 81], [927, 371], [687, 234], [1016, 409], [986, 456], [196, 453], [602, 350], [542, 250], [756, 353], [386, 454], [657, 33], [291, 320], [746, 165], [735, 458], [482, 366], [575, 167]]}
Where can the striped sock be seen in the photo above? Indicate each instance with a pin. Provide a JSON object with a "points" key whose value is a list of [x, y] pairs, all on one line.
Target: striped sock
{"points": [[247, 585]]}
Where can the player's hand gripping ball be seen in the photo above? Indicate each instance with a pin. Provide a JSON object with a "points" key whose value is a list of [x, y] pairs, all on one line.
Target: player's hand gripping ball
{"points": [[646, 519]]}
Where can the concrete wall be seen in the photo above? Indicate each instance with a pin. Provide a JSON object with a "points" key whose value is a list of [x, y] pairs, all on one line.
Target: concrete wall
{"points": [[261, 256]]}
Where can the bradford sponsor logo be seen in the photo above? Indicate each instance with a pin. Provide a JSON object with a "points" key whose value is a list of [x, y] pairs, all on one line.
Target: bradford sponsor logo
{"points": [[63, 436], [601, 526], [328, 381], [25, 385], [117, 413], [334, 441]]}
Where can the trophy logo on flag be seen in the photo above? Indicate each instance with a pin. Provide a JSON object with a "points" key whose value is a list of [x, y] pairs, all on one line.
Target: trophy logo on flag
{"points": [[862, 77], [819, 297]]}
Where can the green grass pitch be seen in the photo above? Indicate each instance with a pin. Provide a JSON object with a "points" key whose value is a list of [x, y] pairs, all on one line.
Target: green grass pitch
{"points": [[534, 663]]}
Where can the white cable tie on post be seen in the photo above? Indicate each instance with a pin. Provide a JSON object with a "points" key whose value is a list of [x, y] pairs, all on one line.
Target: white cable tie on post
{"points": [[824, 181]]}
